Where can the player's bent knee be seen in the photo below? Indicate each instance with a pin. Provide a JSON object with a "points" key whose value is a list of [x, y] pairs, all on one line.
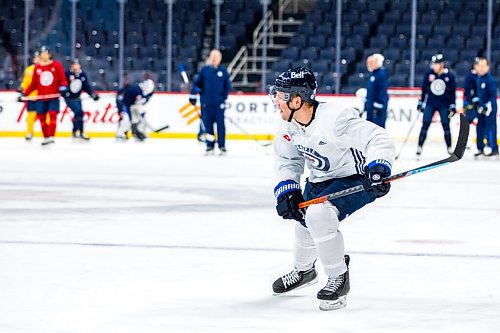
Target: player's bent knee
{"points": [[321, 215]]}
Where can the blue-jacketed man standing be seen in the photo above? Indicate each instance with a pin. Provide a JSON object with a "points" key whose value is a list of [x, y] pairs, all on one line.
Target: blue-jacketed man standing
{"points": [[213, 85], [376, 90]]}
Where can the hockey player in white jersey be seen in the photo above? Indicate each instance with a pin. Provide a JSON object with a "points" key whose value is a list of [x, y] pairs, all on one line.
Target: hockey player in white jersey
{"points": [[341, 150]]}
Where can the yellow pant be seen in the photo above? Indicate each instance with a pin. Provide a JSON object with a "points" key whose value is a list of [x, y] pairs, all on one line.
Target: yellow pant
{"points": [[30, 120]]}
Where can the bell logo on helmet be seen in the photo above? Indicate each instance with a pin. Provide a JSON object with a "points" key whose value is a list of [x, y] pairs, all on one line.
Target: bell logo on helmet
{"points": [[299, 75]]}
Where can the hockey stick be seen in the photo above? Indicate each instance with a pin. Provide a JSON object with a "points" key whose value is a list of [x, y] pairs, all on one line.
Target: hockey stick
{"points": [[38, 97], [412, 125], [248, 134], [159, 129], [458, 153], [408, 135]]}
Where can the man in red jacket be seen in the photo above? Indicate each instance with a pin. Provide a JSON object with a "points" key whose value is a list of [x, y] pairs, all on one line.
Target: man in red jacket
{"points": [[50, 81]]}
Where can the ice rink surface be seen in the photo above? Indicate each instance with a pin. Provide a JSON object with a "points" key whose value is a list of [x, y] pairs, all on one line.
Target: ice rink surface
{"points": [[155, 237]]}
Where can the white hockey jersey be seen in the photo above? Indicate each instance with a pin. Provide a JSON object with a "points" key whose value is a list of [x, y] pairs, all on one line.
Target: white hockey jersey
{"points": [[336, 144]]}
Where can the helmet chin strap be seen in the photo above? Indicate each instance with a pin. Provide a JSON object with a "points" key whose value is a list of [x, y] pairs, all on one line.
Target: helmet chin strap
{"points": [[292, 111]]}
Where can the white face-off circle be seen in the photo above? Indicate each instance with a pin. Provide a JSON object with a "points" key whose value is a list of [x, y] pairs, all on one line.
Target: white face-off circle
{"points": [[46, 78], [75, 86], [438, 87]]}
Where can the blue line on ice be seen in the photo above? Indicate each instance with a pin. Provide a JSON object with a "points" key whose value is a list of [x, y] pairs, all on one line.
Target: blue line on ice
{"points": [[250, 249]]}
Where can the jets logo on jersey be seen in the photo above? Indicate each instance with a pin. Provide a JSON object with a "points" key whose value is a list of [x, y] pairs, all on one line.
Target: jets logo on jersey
{"points": [[287, 137], [483, 85], [75, 86], [438, 87], [372, 79], [317, 160], [219, 74], [46, 78]]}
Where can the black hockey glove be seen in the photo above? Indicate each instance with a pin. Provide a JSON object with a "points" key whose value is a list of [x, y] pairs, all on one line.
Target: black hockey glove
{"points": [[420, 107], [192, 99], [289, 196], [95, 97], [376, 172], [475, 102], [451, 111], [20, 98]]}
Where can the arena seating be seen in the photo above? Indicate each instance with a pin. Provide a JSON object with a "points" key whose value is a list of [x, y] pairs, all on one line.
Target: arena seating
{"points": [[455, 27]]}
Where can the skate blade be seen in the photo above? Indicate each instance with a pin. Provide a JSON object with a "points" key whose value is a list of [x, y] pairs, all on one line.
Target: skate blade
{"points": [[333, 305], [298, 288]]}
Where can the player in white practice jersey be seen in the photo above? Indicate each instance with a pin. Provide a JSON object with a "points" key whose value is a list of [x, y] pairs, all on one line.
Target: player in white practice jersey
{"points": [[342, 151]]}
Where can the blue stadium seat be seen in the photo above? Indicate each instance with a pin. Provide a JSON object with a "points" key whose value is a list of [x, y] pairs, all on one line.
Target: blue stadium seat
{"points": [[397, 42], [455, 42], [306, 29], [380, 41], [392, 54], [398, 80], [348, 54], [280, 66], [298, 41], [320, 66], [402, 68], [420, 69], [467, 17], [327, 53], [461, 30], [387, 29], [468, 54], [310, 53], [425, 29], [291, 53], [361, 29], [475, 43], [317, 41], [355, 41], [325, 29], [443, 29], [437, 42]]}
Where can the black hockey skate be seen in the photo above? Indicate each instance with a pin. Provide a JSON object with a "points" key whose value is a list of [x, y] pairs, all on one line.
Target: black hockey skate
{"points": [[295, 280], [333, 295]]}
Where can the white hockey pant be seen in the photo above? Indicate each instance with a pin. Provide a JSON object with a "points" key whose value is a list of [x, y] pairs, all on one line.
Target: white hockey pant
{"points": [[322, 238]]}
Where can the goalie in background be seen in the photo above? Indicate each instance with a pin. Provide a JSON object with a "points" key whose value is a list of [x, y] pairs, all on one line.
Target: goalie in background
{"points": [[130, 101]]}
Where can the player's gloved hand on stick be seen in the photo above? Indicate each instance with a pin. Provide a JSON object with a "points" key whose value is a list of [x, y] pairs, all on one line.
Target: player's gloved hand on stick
{"points": [[484, 110], [420, 106], [192, 99], [20, 98], [95, 97], [289, 196], [475, 102], [451, 111], [376, 172]]}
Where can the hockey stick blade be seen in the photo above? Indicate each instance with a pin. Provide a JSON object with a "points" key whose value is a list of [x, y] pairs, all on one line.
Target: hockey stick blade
{"points": [[161, 129], [458, 153]]}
